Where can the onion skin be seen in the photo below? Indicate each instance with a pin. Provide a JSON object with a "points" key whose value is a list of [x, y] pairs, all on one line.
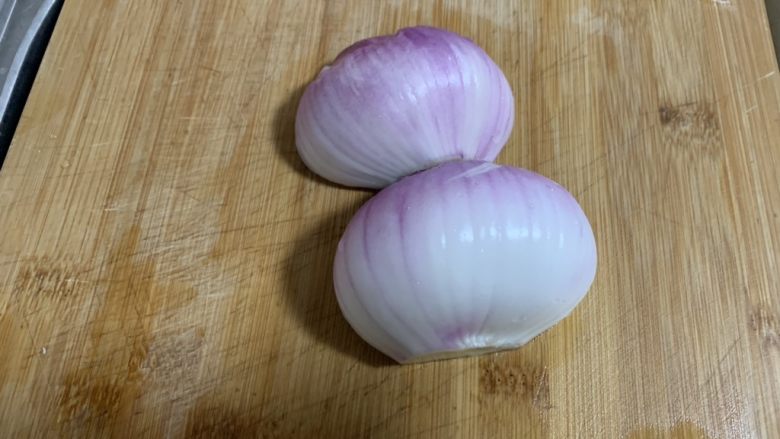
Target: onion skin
{"points": [[467, 257], [394, 105]]}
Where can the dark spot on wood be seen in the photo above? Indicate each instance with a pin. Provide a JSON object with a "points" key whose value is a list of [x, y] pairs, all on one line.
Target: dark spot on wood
{"points": [[691, 128], [611, 56], [693, 116], [45, 278], [8, 335], [681, 430], [87, 399], [527, 382], [94, 396], [667, 114], [49, 287], [224, 416], [111, 375], [766, 325], [220, 421]]}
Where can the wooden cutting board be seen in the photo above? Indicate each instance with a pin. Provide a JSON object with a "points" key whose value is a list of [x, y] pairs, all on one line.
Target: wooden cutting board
{"points": [[165, 266]]}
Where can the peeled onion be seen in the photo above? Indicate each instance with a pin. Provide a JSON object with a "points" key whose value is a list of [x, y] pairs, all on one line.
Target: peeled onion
{"points": [[393, 105], [467, 257]]}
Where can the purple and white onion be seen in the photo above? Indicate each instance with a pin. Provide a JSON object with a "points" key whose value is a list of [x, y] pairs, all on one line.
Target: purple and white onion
{"points": [[467, 257], [393, 105]]}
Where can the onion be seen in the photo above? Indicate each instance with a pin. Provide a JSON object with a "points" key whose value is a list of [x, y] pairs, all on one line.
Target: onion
{"points": [[465, 258], [393, 105]]}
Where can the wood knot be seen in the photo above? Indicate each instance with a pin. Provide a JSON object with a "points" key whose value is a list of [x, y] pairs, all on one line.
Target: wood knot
{"points": [[691, 128], [44, 283], [667, 114], [46, 278], [765, 324], [692, 116], [527, 382]]}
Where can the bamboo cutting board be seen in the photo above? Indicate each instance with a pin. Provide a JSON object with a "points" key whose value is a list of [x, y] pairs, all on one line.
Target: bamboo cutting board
{"points": [[165, 266]]}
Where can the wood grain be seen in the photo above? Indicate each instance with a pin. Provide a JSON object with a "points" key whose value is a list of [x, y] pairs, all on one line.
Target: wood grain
{"points": [[166, 262]]}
